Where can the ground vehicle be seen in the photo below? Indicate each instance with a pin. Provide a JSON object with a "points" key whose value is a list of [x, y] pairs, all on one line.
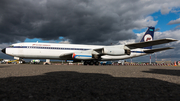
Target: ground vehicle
{"points": [[35, 61], [121, 62], [106, 63], [13, 62], [5, 61]]}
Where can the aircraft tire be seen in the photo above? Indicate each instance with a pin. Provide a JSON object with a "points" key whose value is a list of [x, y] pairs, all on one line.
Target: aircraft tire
{"points": [[91, 63], [85, 63], [46, 64], [96, 63]]}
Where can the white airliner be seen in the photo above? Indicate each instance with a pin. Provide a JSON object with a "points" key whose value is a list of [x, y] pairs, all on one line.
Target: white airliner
{"points": [[90, 54]]}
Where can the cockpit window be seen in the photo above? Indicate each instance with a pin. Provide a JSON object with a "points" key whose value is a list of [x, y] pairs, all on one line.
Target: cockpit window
{"points": [[11, 46]]}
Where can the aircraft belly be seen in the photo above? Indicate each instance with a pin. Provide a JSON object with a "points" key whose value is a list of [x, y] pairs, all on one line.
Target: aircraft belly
{"points": [[44, 54], [107, 57]]}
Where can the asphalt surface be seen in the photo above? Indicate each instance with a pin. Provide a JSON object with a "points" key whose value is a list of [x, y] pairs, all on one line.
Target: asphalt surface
{"points": [[89, 83]]}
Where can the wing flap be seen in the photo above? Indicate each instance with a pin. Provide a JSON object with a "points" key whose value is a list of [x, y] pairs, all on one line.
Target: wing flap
{"points": [[157, 50], [150, 43], [99, 50]]}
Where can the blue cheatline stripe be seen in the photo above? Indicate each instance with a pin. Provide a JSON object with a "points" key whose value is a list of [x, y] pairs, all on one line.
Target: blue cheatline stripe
{"points": [[57, 48], [137, 52], [62, 48], [82, 56], [19, 47]]}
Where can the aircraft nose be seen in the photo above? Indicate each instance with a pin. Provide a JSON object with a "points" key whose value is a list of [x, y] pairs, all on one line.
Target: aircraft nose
{"points": [[4, 50]]}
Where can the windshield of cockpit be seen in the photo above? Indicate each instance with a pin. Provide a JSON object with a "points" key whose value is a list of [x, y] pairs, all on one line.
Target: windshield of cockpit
{"points": [[11, 46]]}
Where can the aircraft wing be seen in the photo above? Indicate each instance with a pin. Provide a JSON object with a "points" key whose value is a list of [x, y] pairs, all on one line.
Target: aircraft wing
{"points": [[66, 56], [157, 50], [149, 43], [99, 50]]}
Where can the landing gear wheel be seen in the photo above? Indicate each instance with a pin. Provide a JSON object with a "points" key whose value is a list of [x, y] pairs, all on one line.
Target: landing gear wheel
{"points": [[96, 63], [85, 62], [45, 63], [91, 63]]}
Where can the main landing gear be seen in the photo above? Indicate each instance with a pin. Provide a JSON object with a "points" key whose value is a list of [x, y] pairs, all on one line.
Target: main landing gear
{"points": [[91, 63]]}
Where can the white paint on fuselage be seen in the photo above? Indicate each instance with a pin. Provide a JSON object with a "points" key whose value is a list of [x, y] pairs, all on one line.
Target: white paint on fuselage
{"points": [[46, 52]]}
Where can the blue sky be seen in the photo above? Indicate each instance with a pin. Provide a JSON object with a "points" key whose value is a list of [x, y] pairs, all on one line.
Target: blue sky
{"points": [[163, 20]]}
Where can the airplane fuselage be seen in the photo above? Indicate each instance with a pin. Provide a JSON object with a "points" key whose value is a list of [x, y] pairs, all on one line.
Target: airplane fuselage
{"points": [[54, 51]]}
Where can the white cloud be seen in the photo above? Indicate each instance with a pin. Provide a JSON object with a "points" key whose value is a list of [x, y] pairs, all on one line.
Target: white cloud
{"points": [[64, 42], [39, 23], [91, 20], [126, 42], [148, 21], [177, 27], [177, 21], [42, 2], [165, 9], [168, 34], [175, 11], [167, 5]]}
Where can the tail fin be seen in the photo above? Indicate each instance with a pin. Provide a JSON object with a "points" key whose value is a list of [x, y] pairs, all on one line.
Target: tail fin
{"points": [[148, 36]]}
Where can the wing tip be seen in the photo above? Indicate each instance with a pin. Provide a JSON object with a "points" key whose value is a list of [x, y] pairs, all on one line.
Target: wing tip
{"points": [[171, 47], [171, 39]]}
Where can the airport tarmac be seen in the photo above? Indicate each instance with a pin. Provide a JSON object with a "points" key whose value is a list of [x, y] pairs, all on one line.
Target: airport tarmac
{"points": [[89, 83]]}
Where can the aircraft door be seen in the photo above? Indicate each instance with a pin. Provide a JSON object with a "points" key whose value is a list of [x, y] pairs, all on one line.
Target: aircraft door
{"points": [[20, 49]]}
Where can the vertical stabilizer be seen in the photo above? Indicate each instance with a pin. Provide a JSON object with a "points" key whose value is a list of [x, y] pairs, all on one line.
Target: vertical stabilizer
{"points": [[148, 36]]}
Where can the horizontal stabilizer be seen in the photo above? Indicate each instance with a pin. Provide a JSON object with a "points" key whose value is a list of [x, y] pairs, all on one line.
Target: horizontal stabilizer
{"points": [[150, 43], [157, 50]]}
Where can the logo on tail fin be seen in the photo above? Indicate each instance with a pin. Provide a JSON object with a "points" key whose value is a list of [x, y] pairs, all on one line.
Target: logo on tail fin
{"points": [[148, 37]]}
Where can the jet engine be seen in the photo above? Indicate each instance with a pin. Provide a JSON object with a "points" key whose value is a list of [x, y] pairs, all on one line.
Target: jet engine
{"points": [[115, 51], [80, 56]]}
